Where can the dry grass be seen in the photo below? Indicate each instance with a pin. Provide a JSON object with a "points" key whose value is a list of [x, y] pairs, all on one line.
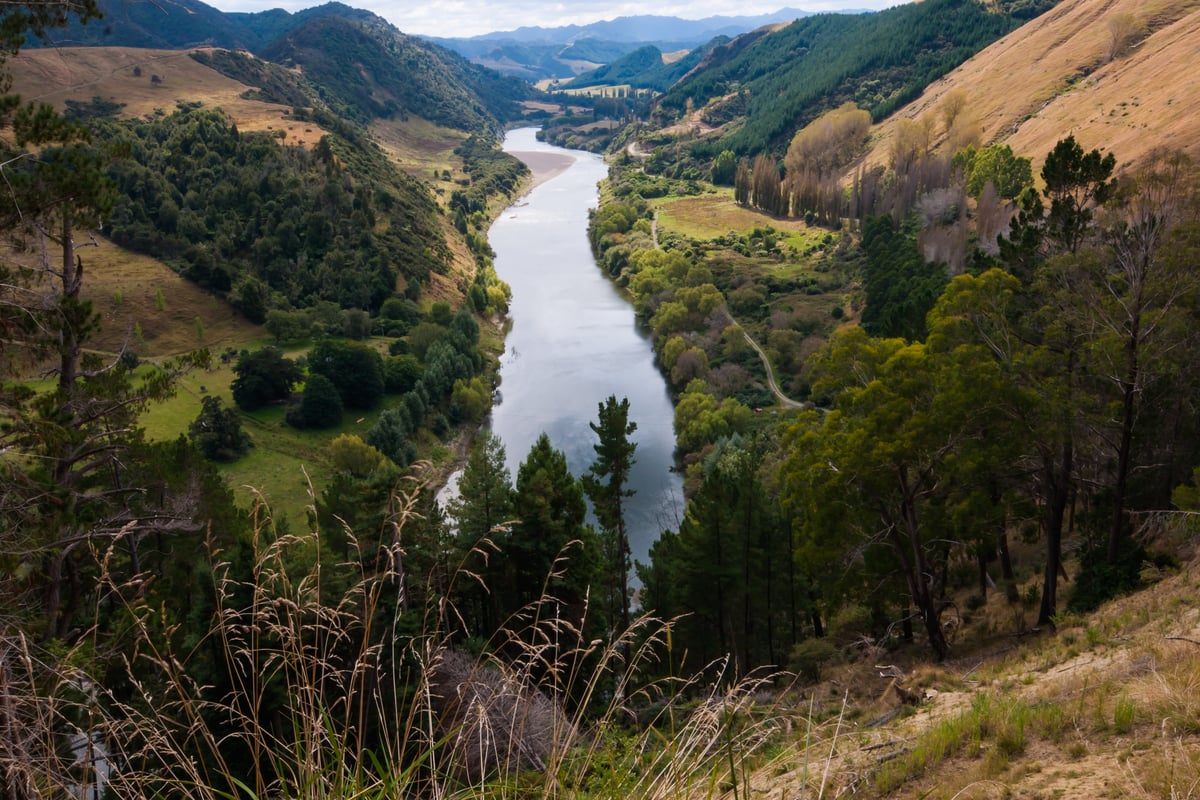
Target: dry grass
{"points": [[708, 216], [148, 308], [452, 727], [1051, 78], [80, 73], [421, 148], [1107, 707]]}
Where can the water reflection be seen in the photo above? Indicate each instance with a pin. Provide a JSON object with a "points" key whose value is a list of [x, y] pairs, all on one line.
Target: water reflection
{"points": [[574, 341]]}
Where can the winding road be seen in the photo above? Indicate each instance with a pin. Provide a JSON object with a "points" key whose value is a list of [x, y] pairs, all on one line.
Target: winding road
{"points": [[782, 398]]}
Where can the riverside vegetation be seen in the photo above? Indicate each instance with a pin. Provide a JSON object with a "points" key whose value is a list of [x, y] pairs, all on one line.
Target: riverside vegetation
{"points": [[1036, 394]]}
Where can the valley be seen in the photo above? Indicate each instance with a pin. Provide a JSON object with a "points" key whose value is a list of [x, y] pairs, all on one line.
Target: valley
{"points": [[843, 444]]}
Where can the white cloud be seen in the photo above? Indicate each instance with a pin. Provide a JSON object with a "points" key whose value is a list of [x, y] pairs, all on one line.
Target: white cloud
{"points": [[456, 18]]}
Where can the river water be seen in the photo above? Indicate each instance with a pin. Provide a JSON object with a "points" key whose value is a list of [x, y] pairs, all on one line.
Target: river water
{"points": [[575, 340]]}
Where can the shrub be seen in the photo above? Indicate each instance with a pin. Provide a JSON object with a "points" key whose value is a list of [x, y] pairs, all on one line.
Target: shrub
{"points": [[320, 406], [809, 656]]}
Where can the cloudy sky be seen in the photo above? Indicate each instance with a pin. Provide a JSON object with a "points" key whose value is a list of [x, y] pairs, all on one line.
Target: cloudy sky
{"points": [[452, 18]]}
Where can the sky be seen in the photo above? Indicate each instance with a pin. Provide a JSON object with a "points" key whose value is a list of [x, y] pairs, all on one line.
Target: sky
{"points": [[462, 18]]}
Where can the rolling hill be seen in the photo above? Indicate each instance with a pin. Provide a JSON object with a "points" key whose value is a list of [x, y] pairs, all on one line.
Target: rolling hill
{"points": [[57, 75]]}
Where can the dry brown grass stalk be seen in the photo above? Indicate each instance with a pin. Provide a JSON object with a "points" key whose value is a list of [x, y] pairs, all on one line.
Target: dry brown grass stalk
{"points": [[311, 691]]}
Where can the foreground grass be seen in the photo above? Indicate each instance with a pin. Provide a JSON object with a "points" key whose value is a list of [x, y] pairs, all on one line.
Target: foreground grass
{"points": [[300, 650]]}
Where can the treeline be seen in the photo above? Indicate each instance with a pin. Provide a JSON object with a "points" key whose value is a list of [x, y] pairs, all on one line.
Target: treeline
{"points": [[927, 215], [491, 172], [703, 359]]}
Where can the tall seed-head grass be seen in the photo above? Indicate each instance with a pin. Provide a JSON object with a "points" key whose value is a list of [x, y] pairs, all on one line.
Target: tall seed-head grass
{"points": [[1170, 772], [310, 690]]}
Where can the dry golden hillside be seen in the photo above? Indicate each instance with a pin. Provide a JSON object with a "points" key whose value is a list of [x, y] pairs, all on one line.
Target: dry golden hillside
{"points": [[1058, 74], [80, 73], [1105, 707]]}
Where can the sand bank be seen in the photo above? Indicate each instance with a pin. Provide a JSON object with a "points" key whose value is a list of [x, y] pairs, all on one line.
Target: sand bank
{"points": [[544, 166]]}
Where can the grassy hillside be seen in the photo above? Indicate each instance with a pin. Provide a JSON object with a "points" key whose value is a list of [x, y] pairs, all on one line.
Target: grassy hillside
{"points": [[1072, 71], [147, 307], [1106, 707], [126, 74]]}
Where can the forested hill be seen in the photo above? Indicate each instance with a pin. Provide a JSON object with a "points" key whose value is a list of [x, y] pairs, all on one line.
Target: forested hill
{"points": [[188, 23], [761, 88], [176, 25], [378, 72], [646, 68], [361, 65]]}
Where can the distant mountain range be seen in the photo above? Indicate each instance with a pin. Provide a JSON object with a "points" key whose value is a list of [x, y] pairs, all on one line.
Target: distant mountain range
{"points": [[537, 53], [532, 53], [643, 28]]}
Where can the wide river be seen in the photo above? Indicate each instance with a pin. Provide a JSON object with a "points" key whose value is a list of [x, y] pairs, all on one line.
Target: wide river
{"points": [[575, 340]]}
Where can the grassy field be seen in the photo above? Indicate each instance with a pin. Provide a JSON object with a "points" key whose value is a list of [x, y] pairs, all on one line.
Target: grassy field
{"points": [[133, 292], [708, 216], [802, 260], [422, 149]]}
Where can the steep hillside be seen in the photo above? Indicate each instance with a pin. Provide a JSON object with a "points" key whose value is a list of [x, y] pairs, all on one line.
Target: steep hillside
{"points": [[176, 25], [374, 71], [763, 87], [1107, 706], [1083, 69]]}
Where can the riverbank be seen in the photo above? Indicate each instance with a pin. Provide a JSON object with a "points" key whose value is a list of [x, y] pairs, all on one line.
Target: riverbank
{"points": [[543, 166]]}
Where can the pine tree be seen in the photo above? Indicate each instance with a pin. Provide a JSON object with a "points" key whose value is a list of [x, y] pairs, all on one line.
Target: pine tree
{"points": [[605, 485]]}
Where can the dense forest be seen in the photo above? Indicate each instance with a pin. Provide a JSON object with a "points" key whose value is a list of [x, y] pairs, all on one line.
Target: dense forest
{"points": [[1039, 383], [276, 226]]}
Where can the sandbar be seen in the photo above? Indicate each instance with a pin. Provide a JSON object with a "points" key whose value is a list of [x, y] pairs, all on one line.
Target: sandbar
{"points": [[544, 166]]}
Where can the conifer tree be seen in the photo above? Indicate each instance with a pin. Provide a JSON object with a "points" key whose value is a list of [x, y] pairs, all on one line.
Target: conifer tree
{"points": [[605, 484]]}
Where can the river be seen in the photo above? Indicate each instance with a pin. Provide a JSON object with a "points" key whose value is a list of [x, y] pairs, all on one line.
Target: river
{"points": [[575, 340]]}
